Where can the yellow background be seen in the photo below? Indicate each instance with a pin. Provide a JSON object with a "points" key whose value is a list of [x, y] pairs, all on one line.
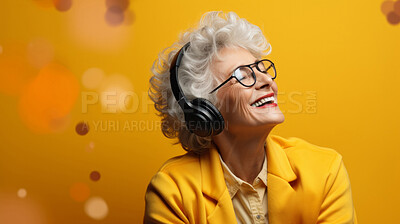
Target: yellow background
{"points": [[338, 77]]}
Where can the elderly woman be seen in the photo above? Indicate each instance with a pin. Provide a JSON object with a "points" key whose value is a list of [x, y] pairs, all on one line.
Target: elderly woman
{"points": [[218, 96]]}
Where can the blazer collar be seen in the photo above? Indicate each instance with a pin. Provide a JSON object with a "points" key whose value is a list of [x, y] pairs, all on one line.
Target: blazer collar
{"points": [[213, 181], [214, 188], [282, 199], [278, 163]]}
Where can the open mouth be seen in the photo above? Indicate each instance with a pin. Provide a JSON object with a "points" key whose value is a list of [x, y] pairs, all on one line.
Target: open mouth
{"points": [[265, 100]]}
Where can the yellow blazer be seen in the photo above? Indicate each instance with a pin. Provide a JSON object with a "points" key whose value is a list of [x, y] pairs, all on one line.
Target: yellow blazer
{"points": [[305, 183]]}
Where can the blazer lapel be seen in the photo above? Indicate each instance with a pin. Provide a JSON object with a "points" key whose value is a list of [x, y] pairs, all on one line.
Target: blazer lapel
{"points": [[214, 188], [282, 201], [223, 212]]}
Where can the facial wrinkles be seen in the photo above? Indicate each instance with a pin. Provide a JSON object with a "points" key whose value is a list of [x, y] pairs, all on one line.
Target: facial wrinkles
{"points": [[241, 97], [235, 99]]}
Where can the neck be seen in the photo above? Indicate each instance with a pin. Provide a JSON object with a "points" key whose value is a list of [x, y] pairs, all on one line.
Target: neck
{"points": [[243, 153]]}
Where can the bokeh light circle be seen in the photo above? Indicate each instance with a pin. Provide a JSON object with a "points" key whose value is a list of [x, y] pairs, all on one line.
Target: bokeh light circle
{"points": [[21, 193], [387, 6], [92, 78], [122, 4], [96, 208], [393, 18], [82, 128], [114, 16], [48, 99], [79, 192], [62, 5], [90, 147], [116, 94], [396, 7], [95, 176], [87, 26]]}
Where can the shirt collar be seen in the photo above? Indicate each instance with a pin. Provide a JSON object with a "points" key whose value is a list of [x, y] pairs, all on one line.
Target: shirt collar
{"points": [[233, 182]]}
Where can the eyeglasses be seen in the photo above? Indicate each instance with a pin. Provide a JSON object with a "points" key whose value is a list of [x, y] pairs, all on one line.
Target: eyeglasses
{"points": [[245, 74]]}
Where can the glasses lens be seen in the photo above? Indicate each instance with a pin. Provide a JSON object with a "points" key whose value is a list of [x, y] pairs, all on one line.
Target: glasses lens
{"points": [[267, 68], [244, 75]]}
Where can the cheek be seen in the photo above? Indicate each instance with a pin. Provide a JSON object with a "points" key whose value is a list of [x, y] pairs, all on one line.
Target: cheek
{"points": [[234, 100]]}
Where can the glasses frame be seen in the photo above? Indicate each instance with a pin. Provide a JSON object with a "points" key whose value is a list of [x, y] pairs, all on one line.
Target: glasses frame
{"points": [[252, 72]]}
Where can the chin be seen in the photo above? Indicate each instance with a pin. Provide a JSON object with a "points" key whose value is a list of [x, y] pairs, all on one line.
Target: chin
{"points": [[279, 119]]}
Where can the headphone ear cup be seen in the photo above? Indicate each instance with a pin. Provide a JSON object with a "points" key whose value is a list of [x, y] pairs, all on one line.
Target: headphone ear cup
{"points": [[198, 120], [214, 122]]}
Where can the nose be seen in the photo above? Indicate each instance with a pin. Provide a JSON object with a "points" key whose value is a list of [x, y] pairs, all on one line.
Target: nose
{"points": [[263, 80]]}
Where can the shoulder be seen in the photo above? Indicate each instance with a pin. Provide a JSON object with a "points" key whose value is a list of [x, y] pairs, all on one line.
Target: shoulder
{"points": [[181, 164], [179, 170], [298, 148], [307, 157], [175, 184]]}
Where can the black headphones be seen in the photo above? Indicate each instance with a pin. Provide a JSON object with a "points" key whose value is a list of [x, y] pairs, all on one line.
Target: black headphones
{"points": [[201, 116]]}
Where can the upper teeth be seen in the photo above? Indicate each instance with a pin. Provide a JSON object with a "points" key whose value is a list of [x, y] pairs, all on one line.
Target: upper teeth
{"points": [[263, 100]]}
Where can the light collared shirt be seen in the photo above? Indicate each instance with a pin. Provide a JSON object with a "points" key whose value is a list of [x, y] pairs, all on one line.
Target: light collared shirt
{"points": [[249, 200]]}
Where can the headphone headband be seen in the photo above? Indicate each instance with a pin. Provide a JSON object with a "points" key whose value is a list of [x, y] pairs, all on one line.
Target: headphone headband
{"points": [[201, 116], [176, 88]]}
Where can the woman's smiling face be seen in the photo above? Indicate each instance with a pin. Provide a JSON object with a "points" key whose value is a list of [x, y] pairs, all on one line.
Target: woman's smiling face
{"points": [[243, 106]]}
